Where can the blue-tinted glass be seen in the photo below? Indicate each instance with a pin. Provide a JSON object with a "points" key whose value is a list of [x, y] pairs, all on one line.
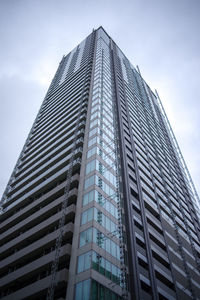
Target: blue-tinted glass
{"points": [[113, 227], [94, 290], [90, 167], [87, 262], [86, 289], [84, 217], [114, 273], [102, 265], [99, 198], [85, 237], [95, 214], [90, 214], [95, 235], [85, 199], [91, 152], [103, 220], [107, 225], [102, 292], [108, 269], [88, 198], [118, 252], [89, 181], [113, 248], [95, 264], [82, 238], [107, 242], [93, 131], [89, 235], [80, 263], [79, 291]]}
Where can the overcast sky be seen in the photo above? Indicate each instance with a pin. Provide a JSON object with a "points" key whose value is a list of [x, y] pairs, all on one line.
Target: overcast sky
{"points": [[161, 36]]}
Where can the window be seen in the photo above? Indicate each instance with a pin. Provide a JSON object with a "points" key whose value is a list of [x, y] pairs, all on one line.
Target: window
{"points": [[110, 177], [86, 237], [93, 141], [105, 221], [100, 264], [83, 290], [93, 235], [105, 203], [105, 187], [87, 198], [91, 152], [94, 123], [87, 216], [89, 181], [84, 262], [90, 166], [101, 292], [93, 131]]}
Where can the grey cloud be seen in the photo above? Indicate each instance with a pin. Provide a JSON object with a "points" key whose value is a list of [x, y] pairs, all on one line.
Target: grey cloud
{"points": [[162, 37]]}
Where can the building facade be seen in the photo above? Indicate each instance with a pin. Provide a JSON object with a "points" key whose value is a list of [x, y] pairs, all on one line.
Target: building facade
{"points": [[100, 204]]}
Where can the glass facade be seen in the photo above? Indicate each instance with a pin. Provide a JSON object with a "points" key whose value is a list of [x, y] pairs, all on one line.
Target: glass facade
{"points": [[101, 179], [100, 204], [86, 288]]}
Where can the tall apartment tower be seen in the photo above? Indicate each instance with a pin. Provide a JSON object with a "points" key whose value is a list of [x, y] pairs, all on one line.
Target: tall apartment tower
{"points": [[100, 204]]}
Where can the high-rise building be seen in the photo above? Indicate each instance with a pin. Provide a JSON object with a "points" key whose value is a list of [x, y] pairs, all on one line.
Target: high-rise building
{"points": [[100, 204]]}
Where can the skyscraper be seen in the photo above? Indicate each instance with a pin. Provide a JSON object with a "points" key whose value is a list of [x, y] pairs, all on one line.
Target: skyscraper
{"points": [[100, 204]]}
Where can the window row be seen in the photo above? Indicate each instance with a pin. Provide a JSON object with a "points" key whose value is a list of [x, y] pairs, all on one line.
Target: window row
{"points": [[103, 170], [101, 200], [95, 261], [95, 214], [93, 235], [94, 179], [90, 289]]}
